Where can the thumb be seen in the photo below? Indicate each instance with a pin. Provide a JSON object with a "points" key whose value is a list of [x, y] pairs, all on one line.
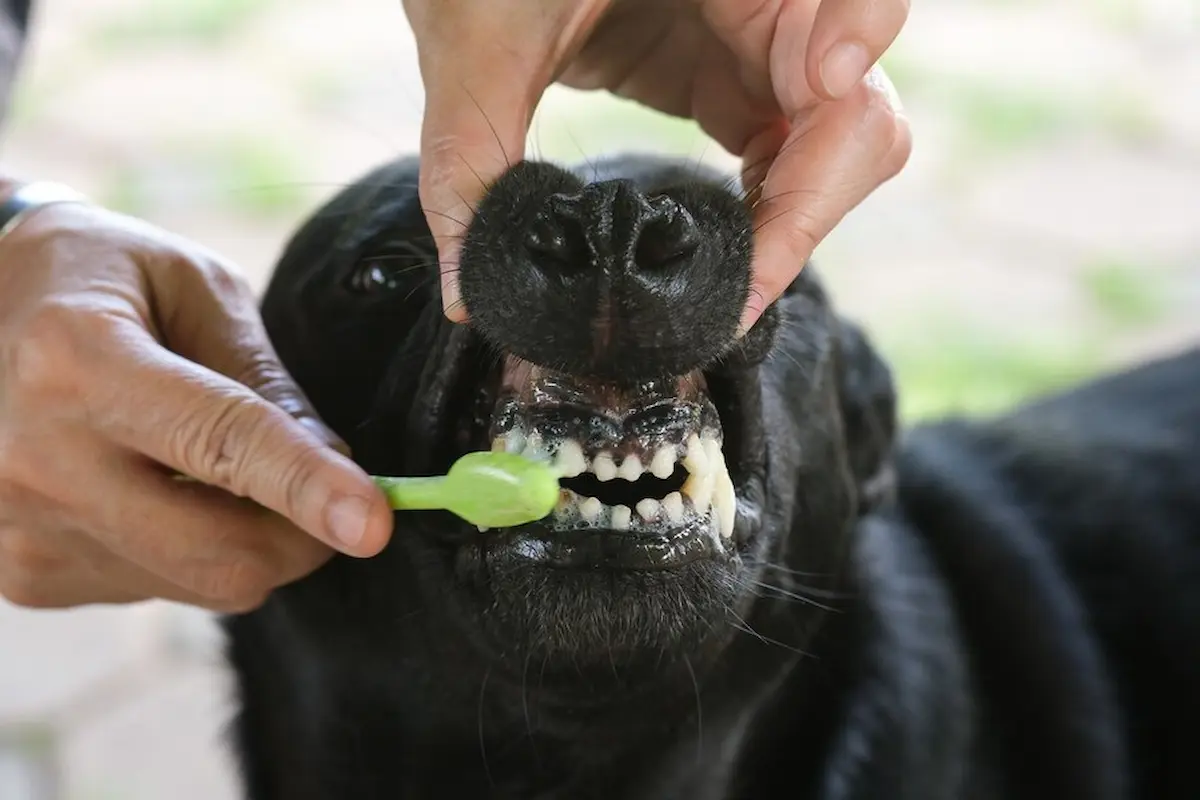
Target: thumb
{"points": [[209, 317]]}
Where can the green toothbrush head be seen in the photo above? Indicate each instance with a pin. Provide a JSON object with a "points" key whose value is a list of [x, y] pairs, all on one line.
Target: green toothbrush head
{"points": [[500, 490]]}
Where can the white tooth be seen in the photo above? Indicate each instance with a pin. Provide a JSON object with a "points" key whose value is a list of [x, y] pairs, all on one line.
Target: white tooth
{"points": [[483, 528], [712, 453], [648, 509], [663, 463], [695, 459], [570, 461], [514, 442], [699, 487], [604, 467], [673, 505], [499, 444], [724, 500], [621, 517], [590, 508], [631, 468]]}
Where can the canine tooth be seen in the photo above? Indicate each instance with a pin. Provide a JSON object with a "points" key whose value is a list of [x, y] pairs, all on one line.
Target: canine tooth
{"points": [[672, 504], [621, 517], [695, 459], [648, 509], [713, 454], [514, 442], [699, 487], [499, 444], [724, 501], [631, 468], [590, 508], [570, 461], [663, 463], [604, 467]]}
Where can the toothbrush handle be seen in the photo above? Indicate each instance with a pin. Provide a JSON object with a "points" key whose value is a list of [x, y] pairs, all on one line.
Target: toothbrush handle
{"points": [[415, 494]]}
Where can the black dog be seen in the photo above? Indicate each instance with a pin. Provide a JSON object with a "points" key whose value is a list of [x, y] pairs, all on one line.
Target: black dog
{"points": [[748, 590]]}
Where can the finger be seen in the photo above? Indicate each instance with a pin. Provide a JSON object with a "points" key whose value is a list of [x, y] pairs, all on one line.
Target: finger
{"points": [[191, 419], [207, 315], [212, 548], [849, 36], [831, 160]]}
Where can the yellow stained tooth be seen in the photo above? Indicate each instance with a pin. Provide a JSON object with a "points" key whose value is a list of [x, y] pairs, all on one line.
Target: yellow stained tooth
{"points": [[604, 467], [725, 503], [663, 463], [631, 468], [498, 444], [694, 458], [699, 487]]}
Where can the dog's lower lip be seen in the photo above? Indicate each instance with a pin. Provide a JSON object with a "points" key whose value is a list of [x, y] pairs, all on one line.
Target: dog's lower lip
{"points": [[596, 549]]}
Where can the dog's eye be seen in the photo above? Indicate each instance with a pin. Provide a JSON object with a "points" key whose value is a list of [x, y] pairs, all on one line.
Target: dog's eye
{"points": [[390, 267]]}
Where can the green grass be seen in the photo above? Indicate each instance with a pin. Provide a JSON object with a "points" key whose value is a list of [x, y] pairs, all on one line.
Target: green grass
{"points": [[1123, 295], [248, 177], [959, 369], [164, 24]]}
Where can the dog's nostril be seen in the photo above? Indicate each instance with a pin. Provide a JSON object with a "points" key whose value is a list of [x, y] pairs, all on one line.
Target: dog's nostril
{"points": [[668, 236], [554, 238]]}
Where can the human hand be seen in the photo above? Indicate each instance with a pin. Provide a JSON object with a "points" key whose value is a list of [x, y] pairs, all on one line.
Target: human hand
{"points": [[780, 84], [98, 417]]}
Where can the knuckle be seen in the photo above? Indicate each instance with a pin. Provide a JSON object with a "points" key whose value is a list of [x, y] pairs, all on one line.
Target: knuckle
{"points": [[44, 355], [214, 441]]}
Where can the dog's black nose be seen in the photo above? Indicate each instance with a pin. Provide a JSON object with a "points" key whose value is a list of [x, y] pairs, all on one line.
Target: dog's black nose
{"points": [[613, 229]]}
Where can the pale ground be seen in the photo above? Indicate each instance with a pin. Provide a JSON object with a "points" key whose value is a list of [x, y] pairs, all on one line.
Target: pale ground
{"points": [[1047, 226]]}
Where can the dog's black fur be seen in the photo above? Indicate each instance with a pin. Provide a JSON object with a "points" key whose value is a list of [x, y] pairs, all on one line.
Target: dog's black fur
{"points": [[993, 609]]}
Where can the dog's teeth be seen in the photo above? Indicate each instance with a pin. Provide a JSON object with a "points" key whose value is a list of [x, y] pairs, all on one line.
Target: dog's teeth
{"points": [[535, 448], [483, 528], [621, 517], [569, 461], [590, 508], [724, 499], [514, 442], [566, 499], [672, 504], [699, 487], [663, 463], [604, 467], [694, 458], [648, 509], [631, 468], [499, 444]]}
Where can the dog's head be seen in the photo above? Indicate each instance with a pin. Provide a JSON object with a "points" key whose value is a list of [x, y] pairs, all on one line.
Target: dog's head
{"points": [[697, 467]]}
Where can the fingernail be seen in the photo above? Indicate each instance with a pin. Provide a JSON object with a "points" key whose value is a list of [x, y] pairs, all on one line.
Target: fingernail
{"points": [[844, 66], [347, 520]]}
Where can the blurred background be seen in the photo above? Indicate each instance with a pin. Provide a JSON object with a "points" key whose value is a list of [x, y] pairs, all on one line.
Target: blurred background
{"points": [[1046, 228]]}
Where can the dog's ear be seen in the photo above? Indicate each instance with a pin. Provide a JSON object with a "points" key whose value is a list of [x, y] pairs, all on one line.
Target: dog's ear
{"points": [[868, 404]]}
